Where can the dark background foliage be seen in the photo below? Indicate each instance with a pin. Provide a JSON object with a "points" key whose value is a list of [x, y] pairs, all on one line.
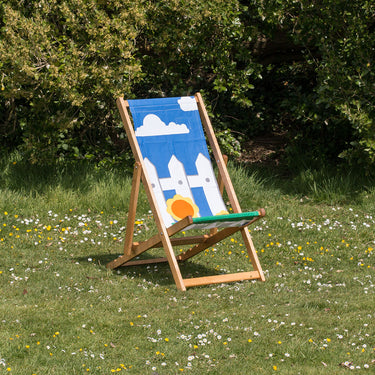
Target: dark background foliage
{"points": [[303, 69]]}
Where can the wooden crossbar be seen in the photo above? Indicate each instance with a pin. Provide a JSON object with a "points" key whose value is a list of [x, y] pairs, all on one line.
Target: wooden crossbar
{"points": [[155, 241], [219, 279]]}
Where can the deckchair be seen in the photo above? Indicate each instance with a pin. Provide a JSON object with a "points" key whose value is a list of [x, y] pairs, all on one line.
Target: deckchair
{"points": [[173, 163]]}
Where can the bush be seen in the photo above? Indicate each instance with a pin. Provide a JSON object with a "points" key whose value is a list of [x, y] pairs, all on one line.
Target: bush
{"points": [[298, 67], [63, 63], [336, 39]]}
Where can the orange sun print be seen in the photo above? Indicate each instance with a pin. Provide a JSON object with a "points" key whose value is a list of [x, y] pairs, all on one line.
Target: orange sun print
{"points": [[179, 207]]}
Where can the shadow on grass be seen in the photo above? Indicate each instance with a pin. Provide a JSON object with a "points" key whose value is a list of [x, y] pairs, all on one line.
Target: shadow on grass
{"points": [[159, 273], [325, 185], [30, 178]]}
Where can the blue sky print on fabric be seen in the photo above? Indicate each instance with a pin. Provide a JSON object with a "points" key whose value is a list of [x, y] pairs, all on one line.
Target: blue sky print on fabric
{"points": [[169, 132]]}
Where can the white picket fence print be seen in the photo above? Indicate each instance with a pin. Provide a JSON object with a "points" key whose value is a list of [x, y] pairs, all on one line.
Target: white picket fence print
{"points": [[182, 184]]}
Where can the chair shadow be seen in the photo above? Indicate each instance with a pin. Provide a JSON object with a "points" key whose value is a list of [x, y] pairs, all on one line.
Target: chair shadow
{"points": [[156, 272]]}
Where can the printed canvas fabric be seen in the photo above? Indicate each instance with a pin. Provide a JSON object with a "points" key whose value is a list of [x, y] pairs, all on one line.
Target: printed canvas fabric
{"points": [[171, 138]]}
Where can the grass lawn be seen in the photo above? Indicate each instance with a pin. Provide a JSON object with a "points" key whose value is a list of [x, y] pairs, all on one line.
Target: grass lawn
{"points": [[63, 312]]}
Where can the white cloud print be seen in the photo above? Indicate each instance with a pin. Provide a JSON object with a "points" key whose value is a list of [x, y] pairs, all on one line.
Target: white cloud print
{"points": [[187, 103], [153, 125]]}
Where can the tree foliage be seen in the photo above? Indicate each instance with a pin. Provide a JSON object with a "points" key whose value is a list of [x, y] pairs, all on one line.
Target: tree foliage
{"points": [[336, 38], [304, 68], [62, 64]]}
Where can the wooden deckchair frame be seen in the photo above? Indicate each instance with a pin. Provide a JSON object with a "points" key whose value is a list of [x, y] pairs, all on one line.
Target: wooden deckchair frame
{"points": [[164, 236]]}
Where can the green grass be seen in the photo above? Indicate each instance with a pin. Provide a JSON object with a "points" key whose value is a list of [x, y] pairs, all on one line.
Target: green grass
{"points": [[63, 312]]}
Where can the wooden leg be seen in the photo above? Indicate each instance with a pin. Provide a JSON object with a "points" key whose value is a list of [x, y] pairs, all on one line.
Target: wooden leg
{"points": [[132, 208], [252, 252], [131, 219], [173, 264], [221, 188]]}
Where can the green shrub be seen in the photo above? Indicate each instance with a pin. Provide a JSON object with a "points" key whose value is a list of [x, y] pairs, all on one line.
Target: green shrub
{"points": [[63, 64], [298, 67], [336, 39]]}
